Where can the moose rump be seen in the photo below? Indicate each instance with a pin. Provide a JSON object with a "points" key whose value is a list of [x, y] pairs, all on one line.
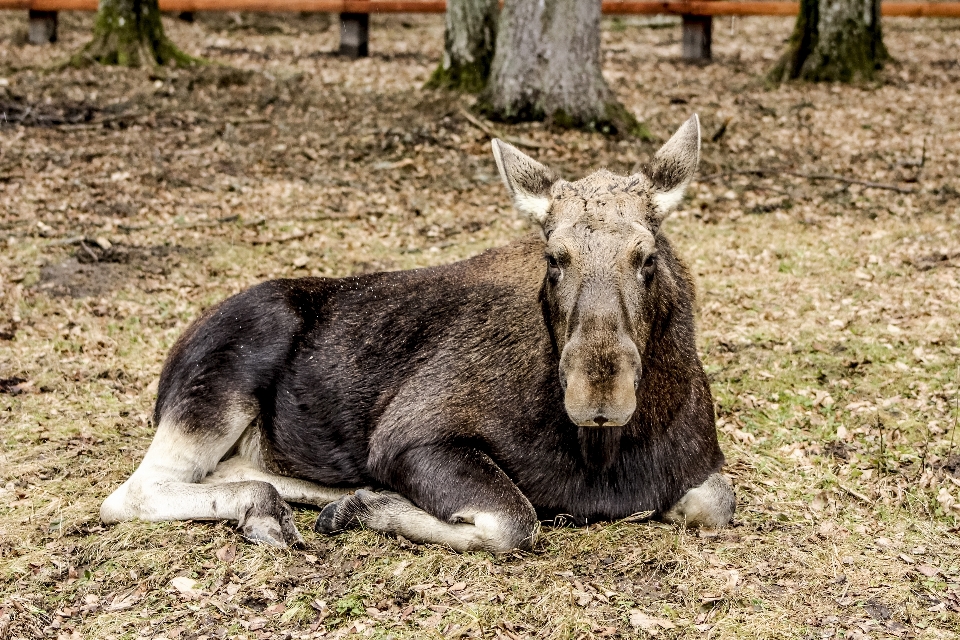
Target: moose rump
{"points": [[555, 375]]}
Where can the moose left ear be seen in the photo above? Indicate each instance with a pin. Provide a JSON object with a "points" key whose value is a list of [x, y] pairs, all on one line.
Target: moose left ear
{"points": [[673, 167]]}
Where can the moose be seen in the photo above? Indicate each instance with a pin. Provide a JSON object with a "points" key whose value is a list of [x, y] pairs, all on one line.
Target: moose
{"points": [[462, 404]]}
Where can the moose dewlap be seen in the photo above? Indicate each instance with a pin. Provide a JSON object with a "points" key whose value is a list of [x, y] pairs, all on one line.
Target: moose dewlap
{"points": [[555, 375]]}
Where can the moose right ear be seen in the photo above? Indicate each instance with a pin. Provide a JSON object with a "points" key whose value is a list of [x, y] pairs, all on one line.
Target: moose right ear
{"points": [[527, 180]]}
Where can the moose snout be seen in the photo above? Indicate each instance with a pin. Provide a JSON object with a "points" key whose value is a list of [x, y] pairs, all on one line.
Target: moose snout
{"points": [[600, 386]]}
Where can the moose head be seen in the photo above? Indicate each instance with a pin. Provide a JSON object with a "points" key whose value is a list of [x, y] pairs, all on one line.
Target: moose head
{"points": [[603, 281]]}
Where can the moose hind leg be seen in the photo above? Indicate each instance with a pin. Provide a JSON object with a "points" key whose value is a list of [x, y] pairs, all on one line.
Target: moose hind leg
{"points": [[165, 485], [711, 505], [238, 469]]}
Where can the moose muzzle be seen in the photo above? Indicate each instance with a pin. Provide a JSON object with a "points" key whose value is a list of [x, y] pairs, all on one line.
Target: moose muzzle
{"points": [[600, 372]]}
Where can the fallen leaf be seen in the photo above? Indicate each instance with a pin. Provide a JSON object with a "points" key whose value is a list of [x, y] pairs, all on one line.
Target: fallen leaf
{"points": [[649, 624], [120, 603], [927, 570], [227, 553], [819, 501], [186, 586], [257, 623]]}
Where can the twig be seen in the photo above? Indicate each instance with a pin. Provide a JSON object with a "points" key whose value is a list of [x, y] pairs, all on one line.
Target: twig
{"points": [[856, 494], [923, 458], [89, 251], [956, 414], [809, 176], [93, 124], [289, 238], [881, 461], [493, 133], [918, 165], [65, 241]]}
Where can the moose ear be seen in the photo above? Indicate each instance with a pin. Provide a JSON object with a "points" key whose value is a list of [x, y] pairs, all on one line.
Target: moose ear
{"points": [[673, 167], [527, 180]]}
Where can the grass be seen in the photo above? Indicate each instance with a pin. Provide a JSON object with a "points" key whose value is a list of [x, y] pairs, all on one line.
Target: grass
{"points": [[828, 432], [827, 324]]}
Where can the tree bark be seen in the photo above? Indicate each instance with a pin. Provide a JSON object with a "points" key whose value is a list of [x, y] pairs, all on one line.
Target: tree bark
{"points": [[834, 41], [469, 41], [547, 65], [129, 33]]}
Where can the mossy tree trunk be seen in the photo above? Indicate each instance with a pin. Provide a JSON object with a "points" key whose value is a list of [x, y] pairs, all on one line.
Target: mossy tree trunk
{"points": [[469, 40], [547, 65], [129, 33], [834, 41]]}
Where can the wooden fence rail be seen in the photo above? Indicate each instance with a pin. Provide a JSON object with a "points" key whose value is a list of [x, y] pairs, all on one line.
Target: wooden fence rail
{"points": [[354, 14], [610, 7]]}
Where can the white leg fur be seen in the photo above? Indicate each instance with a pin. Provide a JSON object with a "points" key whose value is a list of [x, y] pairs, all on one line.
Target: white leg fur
{"points": [[711, 505], [238, 469], [164, 487], [391, 513]]}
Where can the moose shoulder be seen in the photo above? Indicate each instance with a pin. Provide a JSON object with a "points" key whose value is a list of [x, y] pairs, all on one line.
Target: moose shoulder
{"points": [[556, 375]]}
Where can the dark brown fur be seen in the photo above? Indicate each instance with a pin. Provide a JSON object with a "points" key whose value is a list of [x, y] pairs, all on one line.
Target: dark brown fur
{"points": [[438, 383]]}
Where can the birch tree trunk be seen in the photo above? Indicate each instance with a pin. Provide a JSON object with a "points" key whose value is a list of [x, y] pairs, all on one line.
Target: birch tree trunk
{"points": [[834, 41], [547, 65], [129, 33], [469, 40]]}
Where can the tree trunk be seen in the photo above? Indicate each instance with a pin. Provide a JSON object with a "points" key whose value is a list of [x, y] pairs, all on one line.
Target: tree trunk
{"points": [[129, 33], [834, 40], [468, 46], [547, 65]]}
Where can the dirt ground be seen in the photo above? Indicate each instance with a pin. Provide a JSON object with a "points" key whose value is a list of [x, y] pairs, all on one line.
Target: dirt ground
{"points": [[131, 200]]}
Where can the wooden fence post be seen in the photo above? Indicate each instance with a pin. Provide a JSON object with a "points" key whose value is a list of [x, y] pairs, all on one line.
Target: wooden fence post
{"points": [[43, 27], [697, 37], [354, 35]]}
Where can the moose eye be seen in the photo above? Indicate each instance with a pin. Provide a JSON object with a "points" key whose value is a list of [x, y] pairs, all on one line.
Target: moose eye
{"points": [[553, 268], [649, 266]]}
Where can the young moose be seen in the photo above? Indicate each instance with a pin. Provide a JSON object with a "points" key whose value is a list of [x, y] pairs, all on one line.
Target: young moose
{"points": [[556, 375]]}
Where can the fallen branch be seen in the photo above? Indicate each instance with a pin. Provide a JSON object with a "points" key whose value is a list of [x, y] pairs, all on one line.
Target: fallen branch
{"points": [[493, 133], [856, 494], [809, 176]]}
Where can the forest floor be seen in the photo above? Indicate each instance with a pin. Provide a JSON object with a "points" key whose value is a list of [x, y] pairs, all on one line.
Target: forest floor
{"points": [[828, 323]]}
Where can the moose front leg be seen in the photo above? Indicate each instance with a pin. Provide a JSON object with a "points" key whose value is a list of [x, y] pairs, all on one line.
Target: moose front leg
{"points": [[711, 505], [450, 496]]}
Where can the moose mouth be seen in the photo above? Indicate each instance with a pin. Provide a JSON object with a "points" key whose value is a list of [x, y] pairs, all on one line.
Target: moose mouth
{"points": [[610, 402]]}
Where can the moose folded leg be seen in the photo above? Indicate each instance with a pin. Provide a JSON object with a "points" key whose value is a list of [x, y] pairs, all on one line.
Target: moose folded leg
{"points": [[164, 486], [468, 503], [711, 505]]}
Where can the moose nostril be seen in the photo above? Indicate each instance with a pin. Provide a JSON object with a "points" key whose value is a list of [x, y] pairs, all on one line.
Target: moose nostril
{"points": [[600, 420]]}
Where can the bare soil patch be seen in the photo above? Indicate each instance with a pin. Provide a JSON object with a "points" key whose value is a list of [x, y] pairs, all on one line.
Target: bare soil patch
{"points": [[130, 201]]}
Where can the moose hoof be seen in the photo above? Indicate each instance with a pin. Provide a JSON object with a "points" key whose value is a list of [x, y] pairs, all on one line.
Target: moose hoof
{"points": [[363, 506], [271, 524]]}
